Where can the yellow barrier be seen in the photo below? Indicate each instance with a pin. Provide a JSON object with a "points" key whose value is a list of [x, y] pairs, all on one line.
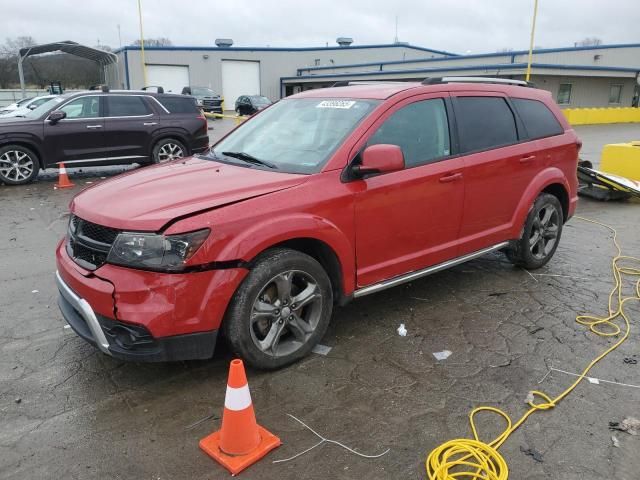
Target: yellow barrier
{"points": [[596, 116], [622, 159], [239, 119]]}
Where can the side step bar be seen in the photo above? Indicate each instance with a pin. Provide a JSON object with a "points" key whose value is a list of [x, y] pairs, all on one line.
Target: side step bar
{"points": [[407, 277]]}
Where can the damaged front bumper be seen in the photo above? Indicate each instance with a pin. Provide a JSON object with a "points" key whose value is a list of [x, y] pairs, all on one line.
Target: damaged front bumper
{"points": [[126, 341]]}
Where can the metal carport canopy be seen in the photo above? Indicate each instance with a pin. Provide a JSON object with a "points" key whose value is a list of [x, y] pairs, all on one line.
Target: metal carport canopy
{"points": [[101, 57]]}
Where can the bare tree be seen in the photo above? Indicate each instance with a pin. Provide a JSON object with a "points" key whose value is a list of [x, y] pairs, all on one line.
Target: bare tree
{"points": [[12, 46], [154, 42], [589, 42]]}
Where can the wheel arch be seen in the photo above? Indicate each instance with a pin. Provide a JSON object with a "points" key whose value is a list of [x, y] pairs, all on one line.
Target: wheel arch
{"points": [[325, 256], [174, 134], [551, 180], [560, 192], [26, 144]]}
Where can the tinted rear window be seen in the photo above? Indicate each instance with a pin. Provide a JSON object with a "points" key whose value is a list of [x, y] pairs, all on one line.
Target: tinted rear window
{"points": [[538, 120], [179, 104], [126, 106], [484, 123]]}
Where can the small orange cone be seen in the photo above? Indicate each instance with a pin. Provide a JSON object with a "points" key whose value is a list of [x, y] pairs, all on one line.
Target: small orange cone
{"points": [[63, 179], [240, 442]]}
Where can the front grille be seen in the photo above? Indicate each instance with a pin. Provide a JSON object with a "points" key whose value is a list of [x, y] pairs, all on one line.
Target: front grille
{"points": [[211, 103], [88, 243]]}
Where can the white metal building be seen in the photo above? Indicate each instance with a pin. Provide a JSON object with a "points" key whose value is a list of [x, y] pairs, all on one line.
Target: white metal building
{"points": [[596, 76]]}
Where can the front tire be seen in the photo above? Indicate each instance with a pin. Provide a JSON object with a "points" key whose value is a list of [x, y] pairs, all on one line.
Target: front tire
{"points": [[540, 235], [280, 311], [18, 165], [168, 149]]}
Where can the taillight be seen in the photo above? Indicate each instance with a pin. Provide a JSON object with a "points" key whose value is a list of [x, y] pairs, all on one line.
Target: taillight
{"points": [[204, 119]]}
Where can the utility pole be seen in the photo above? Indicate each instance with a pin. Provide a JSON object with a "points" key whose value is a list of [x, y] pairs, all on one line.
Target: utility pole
{"points": [[395, 39], [144, 65], [533, 31], [119, 36]]}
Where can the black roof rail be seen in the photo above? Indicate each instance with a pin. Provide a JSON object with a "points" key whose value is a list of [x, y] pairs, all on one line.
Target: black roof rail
{"points": [[500, 81]]}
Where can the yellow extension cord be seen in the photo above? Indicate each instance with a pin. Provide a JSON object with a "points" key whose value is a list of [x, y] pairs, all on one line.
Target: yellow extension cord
{"points": [[474, 459]]}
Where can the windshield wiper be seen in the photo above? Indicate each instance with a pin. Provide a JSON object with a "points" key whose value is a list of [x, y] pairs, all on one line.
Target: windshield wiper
{"points": [[249, 159]]}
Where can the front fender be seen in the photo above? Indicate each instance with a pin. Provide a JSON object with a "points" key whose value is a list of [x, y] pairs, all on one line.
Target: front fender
{"points": [[542, 180], [251, 241]]}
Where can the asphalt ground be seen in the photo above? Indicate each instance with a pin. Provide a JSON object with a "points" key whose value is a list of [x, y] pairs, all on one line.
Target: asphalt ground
{"points": [[68, 411]]}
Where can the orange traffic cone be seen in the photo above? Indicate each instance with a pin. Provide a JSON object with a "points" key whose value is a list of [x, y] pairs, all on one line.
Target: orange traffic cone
{"points": [[240, 442], [63, 179]]}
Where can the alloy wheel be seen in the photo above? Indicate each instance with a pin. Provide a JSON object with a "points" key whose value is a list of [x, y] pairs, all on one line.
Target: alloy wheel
{"points": [[544, 231], [16, 165], [286, 313], [169, 151]]}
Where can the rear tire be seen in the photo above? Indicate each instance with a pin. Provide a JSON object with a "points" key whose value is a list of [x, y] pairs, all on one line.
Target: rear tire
{"points": [[540, 235], [18, 165], [168, 149], [281, 309]]}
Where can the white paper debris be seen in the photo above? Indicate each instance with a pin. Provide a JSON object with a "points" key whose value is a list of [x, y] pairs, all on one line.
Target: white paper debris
{"points": [[321, 349], [630, 425], [616, 442], [529, 398], [443, 355], [35, 291], [67, 326], [402, 331], [593, 380]]}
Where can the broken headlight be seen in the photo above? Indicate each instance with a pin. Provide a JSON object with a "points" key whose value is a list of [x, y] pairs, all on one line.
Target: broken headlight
{"points": [[151, 251]]}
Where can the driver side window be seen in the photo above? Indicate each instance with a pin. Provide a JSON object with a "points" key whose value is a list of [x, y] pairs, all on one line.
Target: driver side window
{"points": [[420, 129], [83, 107]]}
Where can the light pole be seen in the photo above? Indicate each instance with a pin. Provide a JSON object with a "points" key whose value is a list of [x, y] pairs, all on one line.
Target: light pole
{"points": [[533, 31], [144, 65]]}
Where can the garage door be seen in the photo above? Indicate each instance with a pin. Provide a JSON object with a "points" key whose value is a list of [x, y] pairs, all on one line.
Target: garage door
{"points": [[173, 78], [239, 78]]}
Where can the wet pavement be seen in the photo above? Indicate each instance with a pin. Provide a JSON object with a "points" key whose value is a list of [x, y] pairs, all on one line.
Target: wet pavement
{"points": [[68, 411]]}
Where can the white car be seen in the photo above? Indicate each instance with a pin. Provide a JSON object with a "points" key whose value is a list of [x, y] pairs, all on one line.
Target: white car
{"points": [[23, 106]]}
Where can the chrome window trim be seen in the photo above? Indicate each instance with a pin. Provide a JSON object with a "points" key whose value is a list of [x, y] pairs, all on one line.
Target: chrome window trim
{"points": [[64, 104]]}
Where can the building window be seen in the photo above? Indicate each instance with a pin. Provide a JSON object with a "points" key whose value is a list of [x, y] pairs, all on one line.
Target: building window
{"points": [[615, 93], [317, 61], [564, 94]]}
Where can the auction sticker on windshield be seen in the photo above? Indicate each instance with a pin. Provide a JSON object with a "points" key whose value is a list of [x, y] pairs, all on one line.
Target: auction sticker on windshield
{"points": [[336, 104]]}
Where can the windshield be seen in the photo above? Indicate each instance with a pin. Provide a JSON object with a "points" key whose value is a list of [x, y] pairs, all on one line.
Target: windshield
{"points": [[296, 135], [202, 92], [46, 107], [259, 100], [21, 103]]}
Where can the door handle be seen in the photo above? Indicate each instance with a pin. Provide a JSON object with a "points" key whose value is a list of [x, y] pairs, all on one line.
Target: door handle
{"points": [[452, 177], [94, 126], [527, 159], [149, 124]]}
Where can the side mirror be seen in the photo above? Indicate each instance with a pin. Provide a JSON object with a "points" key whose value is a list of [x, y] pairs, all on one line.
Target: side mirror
{"points": [[56, 116], [32, 107], [380, 158]]}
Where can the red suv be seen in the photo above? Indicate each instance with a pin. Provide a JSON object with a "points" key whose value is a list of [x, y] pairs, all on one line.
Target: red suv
{"points": [[325, 196]]}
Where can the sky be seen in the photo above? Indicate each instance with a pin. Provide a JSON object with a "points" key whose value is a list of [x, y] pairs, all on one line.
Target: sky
{"points": [[460, 26]]}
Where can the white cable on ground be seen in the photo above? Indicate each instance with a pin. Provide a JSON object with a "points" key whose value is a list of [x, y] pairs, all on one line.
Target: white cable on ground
{"points": [[325, 440]]}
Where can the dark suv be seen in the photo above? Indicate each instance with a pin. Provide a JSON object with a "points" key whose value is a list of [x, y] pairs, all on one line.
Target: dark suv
{"points": [[100, 128], [206, 98]]}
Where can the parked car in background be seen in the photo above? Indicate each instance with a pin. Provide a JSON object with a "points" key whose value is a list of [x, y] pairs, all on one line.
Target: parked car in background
{"points": [[328, 195], [19, 108], [100, 128], [250, 104], [207, 99]]}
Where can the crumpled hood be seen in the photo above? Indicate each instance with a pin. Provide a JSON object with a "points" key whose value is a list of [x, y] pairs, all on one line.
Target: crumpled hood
{"points": [[148, 198]]}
